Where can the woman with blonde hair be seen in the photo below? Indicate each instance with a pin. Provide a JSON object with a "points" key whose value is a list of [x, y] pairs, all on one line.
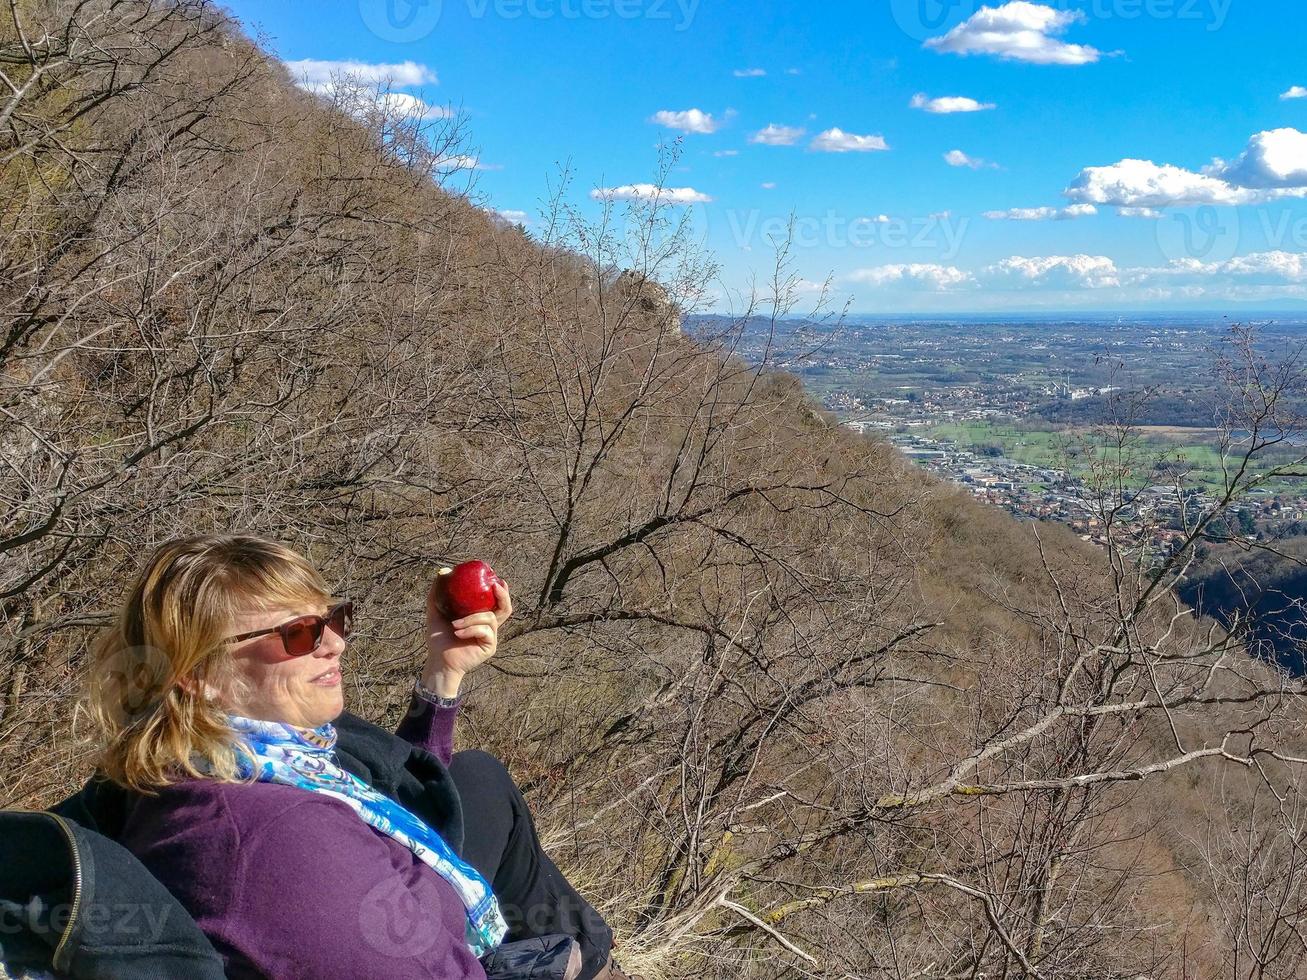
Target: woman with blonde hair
{"points": [[304, 841]]}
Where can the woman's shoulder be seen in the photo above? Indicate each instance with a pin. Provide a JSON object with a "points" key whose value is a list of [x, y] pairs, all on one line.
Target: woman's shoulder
{"points": [[221, 812], [206, 840]]}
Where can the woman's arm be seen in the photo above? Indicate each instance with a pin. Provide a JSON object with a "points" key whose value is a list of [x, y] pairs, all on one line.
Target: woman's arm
{"points": [[454, 650], [430, 726]]}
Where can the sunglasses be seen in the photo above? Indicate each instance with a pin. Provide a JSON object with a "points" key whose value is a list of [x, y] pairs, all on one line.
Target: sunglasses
{"points": [[303, 635]]}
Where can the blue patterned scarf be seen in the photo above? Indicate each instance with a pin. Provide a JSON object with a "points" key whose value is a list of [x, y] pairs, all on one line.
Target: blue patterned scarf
{"points": [[303, 757]]}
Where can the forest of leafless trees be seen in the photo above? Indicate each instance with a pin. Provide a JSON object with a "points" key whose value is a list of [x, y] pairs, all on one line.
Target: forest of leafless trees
{"points": [[784, 705]]}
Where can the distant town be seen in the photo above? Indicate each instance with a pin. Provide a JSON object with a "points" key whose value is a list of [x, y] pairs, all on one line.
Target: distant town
{"points": [[1040, 493], [1008, 410]]}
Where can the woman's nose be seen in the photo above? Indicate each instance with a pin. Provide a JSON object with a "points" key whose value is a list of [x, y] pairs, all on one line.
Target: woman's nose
{"points": [[332, 642]]}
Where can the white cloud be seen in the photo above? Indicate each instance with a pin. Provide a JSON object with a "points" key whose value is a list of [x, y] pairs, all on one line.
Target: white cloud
{"points": [[749, 72], [1295, 92], [807, 287], [1055, 271], [1139, 213], [768, 185], [776, 135], [1276, 158], [514, 216], [649, 192], [1261, 275], [794, 71], [1043, 214], [956, 158], [687, 120], [1018, 31], [1264, 268], [921, 275], [882, 219], [457, 162], [402, 104], [360, 87], [463, 161], [1273, 165], [947, 104], [1078, 211], [835, 140], [1276, 266], [317, 75], [1144, 184], [726, 153]]}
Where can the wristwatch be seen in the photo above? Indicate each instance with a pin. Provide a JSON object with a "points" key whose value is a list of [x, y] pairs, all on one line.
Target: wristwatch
{"points": [[431, 697]]}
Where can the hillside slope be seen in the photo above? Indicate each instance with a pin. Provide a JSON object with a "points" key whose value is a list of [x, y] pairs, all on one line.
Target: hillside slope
{"points": [[785, 705], [1231, 582]]}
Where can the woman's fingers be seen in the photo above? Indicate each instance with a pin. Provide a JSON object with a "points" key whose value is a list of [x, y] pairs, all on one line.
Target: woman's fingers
{"points": [[476, 619], [494, 617], [483, 634], [504, 605]]}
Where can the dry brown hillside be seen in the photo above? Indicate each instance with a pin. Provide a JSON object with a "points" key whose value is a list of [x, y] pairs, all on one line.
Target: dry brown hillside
{"points": [[784, 704]]}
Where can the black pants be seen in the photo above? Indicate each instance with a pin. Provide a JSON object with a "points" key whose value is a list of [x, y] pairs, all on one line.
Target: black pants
{"points": [[500, 841]]}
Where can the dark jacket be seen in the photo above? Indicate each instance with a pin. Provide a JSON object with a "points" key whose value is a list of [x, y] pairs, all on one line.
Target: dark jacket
{"points": [[75, 902], [80, 905]]}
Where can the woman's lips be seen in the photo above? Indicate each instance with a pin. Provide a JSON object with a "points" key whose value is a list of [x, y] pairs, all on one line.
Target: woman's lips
{"points": [[330, 679]]}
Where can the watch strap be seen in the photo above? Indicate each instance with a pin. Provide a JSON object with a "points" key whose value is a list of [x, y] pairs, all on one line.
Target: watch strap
{"points": [[431, 697]]}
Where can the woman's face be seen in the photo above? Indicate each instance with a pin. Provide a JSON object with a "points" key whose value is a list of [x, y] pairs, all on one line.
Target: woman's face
{"points": [[270, 685]]}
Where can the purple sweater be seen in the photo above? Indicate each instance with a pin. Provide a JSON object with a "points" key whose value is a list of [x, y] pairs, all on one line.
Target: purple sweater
{"points": [[291, 884]]}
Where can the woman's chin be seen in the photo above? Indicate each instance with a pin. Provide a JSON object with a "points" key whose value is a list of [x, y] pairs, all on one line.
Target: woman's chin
{"points": [[335, 704], [321, 704]]}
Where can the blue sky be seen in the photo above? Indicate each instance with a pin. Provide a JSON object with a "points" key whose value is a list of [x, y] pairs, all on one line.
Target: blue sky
{"points": [[936, 155]]}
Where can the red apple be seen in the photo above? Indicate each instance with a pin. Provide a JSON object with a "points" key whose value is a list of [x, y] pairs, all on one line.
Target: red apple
{"points": [[466, 589]]}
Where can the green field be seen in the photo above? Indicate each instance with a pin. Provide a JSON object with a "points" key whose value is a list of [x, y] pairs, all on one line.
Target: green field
{"points": [[1150, 458]]}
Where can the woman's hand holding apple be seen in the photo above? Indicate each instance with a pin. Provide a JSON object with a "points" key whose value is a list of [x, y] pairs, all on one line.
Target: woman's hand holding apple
{"points": [[458, 642]]}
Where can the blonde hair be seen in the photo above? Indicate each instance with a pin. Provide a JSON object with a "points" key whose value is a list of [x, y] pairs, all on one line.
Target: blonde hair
{"points": [[153, 670]]}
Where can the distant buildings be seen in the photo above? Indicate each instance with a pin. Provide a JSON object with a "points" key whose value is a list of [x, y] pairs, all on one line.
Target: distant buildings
{"points": [[900, 379]]}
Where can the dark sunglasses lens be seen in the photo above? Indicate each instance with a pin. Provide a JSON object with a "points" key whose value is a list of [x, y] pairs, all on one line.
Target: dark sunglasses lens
{"points": [[302, 636], [342, 620]]}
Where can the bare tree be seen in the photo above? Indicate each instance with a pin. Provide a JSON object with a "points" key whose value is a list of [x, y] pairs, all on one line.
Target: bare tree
{"points": [[788, 707]]}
